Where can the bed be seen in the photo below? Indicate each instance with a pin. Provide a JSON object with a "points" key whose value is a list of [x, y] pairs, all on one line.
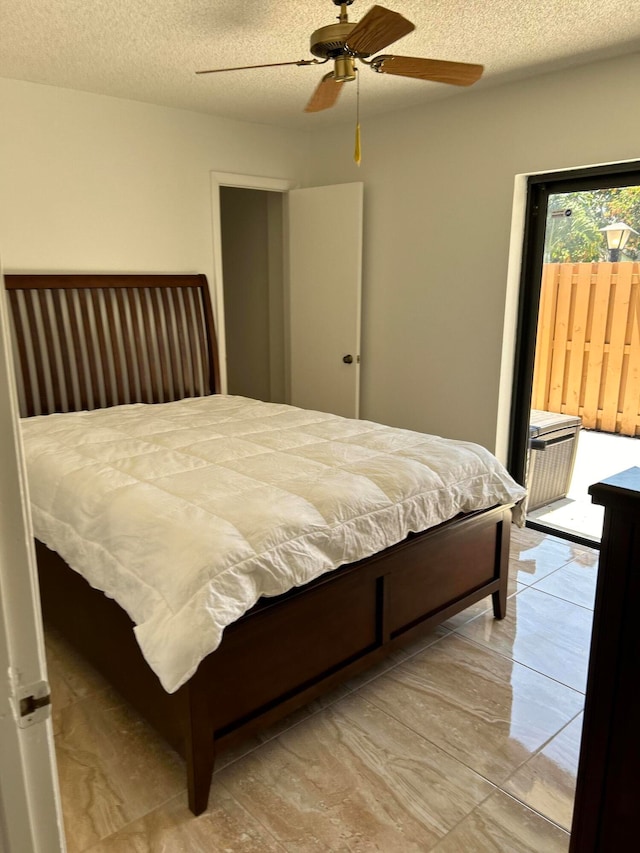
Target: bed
{"points": [[143, 347]]}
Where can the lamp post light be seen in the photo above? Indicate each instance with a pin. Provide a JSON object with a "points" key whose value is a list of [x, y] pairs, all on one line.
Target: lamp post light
{"points": [[617, 235]]}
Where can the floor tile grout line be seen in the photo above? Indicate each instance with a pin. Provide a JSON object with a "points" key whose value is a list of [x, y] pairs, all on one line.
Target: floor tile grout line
{"points": [[134, 820], [530, 808], [549, 740], [535, 811], [543, 577], [520, 663], [542, 748], [497, 789], [534, 755], [430, 742], [474, 809], [558, 597]]}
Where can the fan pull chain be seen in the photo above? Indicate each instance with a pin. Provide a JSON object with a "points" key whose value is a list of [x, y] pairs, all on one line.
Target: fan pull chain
{"points": [[357, 154]]}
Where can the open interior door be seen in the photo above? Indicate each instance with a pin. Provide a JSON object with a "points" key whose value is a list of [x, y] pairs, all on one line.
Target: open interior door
{"points": [[30, 816], [325, 283]]}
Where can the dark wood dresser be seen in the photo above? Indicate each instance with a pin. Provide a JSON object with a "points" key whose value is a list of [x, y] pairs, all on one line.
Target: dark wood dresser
{"points": [[607, 804]]}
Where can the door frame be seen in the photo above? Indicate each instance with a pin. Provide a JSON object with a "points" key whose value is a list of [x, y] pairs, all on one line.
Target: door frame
{"points": [[539, 187], [247, 182]]}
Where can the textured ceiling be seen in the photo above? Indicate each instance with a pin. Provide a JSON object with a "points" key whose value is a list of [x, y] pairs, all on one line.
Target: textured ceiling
{"points": [[149, 51]]}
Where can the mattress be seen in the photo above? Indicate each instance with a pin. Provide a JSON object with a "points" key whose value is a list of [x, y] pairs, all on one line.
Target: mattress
{"points": [[186, 513]]}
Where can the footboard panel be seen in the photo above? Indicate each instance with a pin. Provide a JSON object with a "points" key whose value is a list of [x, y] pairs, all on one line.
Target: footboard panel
{"points": [[292, 644], [458, 563]]}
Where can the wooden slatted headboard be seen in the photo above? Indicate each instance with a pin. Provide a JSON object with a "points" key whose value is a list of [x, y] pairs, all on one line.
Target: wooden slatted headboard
{"points": [[91, 341]]}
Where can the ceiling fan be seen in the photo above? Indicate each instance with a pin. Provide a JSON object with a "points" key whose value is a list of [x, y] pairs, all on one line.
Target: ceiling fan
{"points": [[346, 42]]}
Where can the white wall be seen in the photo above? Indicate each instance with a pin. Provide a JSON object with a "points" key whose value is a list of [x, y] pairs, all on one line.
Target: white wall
{"points": [[439, 184], [92, 183]]}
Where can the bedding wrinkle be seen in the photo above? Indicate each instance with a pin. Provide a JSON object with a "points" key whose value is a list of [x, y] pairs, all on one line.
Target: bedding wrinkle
{"points": [[186, 513]]}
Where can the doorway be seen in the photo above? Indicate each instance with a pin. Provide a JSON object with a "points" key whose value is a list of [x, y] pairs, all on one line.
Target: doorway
{"points": [[312, 294], [562, 379], [265, 199], [253, 288]]}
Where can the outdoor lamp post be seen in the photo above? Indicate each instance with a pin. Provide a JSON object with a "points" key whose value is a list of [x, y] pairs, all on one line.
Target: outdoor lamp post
{"points": [[617, 235]]}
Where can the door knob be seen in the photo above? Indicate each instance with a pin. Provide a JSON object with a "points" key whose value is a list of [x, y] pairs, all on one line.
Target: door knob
{"points": [[348, 359]]}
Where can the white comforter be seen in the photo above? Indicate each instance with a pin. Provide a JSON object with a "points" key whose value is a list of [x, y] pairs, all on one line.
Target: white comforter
{"points": [[186, 513]]}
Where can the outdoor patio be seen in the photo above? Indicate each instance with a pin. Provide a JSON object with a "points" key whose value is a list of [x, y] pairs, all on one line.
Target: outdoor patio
{"points": [[599, 455]]}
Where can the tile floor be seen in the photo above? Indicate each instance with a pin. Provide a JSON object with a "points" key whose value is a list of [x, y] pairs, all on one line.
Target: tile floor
{"points": [[467, 741]]}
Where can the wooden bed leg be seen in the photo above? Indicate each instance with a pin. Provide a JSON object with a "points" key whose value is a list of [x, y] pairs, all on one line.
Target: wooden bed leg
{"points": [[499, 598], [199, 775], [200, 755]]}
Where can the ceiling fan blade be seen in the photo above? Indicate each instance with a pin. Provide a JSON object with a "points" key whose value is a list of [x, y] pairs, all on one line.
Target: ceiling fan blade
{"points": [[325, 95], [379, 28], [436, 70], [269, 65]]}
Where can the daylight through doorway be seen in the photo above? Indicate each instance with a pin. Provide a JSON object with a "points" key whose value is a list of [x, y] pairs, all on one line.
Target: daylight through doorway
{"points": [[576, 416]]}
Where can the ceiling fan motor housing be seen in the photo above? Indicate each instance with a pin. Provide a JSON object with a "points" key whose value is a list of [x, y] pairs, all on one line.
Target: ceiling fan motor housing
{"points": [[330, 42]]}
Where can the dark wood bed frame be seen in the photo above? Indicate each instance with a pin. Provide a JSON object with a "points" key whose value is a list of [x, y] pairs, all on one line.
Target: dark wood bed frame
{"points": [[88, 341]]}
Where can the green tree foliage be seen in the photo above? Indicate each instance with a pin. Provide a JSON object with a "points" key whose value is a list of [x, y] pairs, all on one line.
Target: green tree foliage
{"points": [[577, 237]]}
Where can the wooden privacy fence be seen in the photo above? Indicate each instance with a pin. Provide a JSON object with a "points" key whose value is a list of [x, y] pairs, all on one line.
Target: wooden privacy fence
{"points": [[588, 345]]}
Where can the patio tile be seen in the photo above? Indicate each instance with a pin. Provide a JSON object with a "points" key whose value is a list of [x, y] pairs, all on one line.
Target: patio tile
{"points": [[599, 455]]}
